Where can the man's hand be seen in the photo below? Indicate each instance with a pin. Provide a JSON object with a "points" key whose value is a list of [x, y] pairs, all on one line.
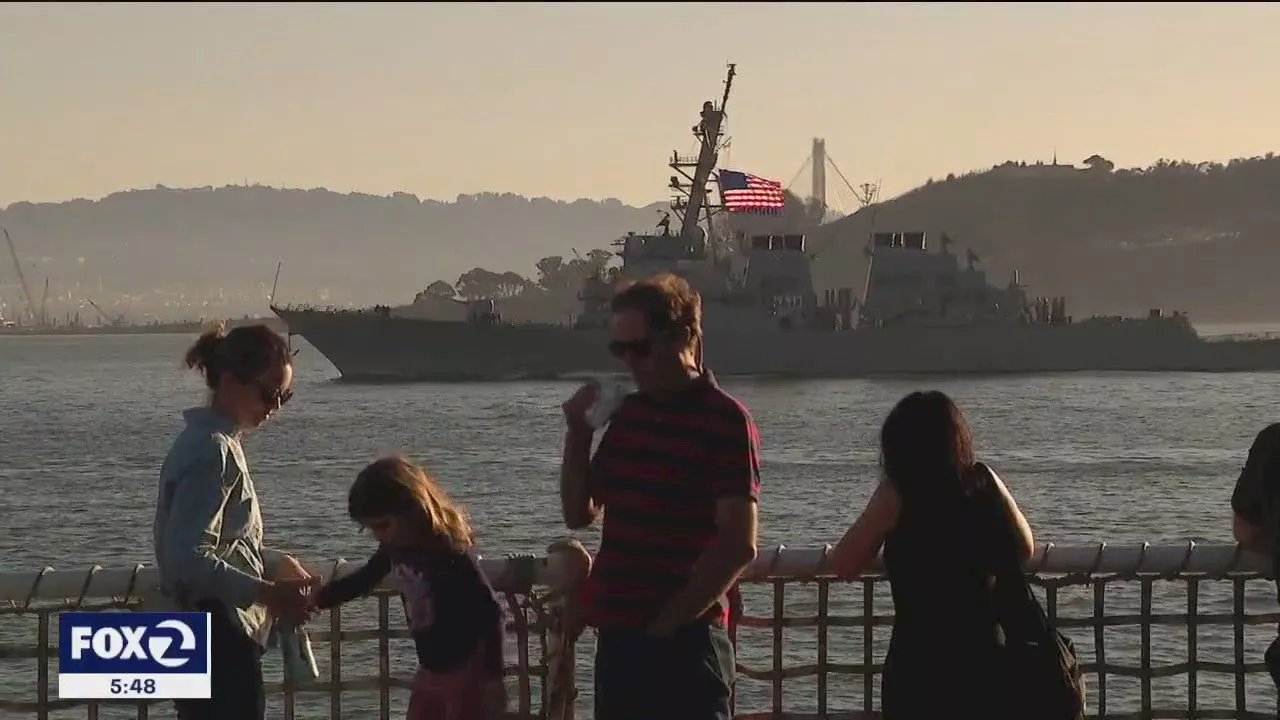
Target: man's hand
{"points": [[717, 569], [576, 407]]}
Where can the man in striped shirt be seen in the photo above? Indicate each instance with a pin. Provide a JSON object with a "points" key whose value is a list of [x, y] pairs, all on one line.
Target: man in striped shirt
{"points": [[677, 476]]}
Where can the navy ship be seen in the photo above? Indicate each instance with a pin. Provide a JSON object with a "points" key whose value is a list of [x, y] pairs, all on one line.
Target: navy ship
{"points": [[918, 311]]}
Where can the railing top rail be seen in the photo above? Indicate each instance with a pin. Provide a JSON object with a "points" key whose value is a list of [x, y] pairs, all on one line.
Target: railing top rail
{"points": [[1208, 560], [567, 560], [563, 565]]}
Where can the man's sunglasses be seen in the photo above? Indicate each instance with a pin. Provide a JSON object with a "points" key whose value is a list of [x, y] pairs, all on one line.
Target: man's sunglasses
{"points": [[622, 349]]}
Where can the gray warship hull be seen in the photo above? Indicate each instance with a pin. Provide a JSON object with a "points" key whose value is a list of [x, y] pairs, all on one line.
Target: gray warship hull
{"points": [[368, 348]]}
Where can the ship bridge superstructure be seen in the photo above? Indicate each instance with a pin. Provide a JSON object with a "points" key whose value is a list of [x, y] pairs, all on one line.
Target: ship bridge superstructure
{"points": [[778, 269], [909, 285]]}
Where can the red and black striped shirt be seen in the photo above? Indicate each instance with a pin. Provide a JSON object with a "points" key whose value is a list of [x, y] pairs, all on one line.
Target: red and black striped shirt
{"points": [[659, 470]]}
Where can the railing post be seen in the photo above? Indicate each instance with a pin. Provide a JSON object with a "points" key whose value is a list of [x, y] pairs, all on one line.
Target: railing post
{"points": [[42, 668], [569, 563], [1100, 641], [1237, 637], [1193, 639], [384, 658], [335, 663]]}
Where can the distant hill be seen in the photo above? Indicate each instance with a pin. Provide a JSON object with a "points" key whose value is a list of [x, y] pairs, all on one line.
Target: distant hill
{"points": [[150, 246], [1200, 237]]}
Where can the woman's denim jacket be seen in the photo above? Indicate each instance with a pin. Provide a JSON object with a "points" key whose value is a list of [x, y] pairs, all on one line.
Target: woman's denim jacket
{"points": [[208, 527]]}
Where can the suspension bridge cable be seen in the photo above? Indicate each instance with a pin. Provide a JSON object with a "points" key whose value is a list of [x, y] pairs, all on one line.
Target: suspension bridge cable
{"points": [[804, 166], [847, 184]]}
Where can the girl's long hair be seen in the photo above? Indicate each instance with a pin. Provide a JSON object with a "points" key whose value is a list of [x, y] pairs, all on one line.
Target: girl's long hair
{"points": [[397, 486]]}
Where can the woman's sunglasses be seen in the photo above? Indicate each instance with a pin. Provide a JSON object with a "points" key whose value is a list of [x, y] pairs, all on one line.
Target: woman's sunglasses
{"points": [[273, 396]]}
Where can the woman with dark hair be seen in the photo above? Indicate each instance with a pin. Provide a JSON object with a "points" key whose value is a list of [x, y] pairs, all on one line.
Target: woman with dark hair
{"points": [[946, 523], [208, 527]]}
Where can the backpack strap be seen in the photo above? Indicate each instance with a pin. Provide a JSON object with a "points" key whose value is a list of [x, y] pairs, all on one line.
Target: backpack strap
{"points": [[1002, 531]]}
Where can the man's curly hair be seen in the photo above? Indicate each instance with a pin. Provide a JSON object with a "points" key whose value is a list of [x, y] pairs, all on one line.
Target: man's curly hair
{"points": [[667, 301]]}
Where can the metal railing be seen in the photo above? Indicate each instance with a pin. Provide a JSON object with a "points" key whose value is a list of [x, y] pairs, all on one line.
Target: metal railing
{"points": [[1189, 645], [534, 590]]}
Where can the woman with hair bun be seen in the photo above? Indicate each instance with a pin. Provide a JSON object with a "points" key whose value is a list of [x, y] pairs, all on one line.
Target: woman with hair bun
{"points": [[208, 526]]}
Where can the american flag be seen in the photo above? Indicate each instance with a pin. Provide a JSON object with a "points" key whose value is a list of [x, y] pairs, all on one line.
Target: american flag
{"points": [[744, 192]]}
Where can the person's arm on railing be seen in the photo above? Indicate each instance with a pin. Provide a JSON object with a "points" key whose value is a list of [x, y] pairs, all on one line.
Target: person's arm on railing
{"points": [[1025, 539], [1248, 500], [861, 543], [358, 584], [187, 555], [1251, 536], [733, 466]]}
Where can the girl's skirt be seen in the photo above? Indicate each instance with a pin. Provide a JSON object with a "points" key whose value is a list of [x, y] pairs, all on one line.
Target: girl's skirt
{"points": [[455, 695]]}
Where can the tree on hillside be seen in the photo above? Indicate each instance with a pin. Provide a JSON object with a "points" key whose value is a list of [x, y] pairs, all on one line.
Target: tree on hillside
{"points": [[599, 258], [1098, 163], [437, 289], [512, 284], [554, 275], [479, 283], [557, 275], [548, 268]]}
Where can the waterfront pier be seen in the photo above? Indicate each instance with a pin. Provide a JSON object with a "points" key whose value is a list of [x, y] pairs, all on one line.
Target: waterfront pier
{"points": [[1162, 631]]}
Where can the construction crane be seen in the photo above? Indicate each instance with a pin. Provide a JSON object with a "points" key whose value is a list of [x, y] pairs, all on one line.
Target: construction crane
{"points": [[44, 305], [103, 317], [17, 266]]}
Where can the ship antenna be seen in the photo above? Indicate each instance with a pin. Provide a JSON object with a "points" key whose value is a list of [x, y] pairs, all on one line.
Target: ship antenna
{"points": [[271, 301], [728, 85], [708, 132], [868, 196]]}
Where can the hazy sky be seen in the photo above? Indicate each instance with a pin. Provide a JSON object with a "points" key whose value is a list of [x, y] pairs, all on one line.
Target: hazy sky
{"points": [[588, 100]]}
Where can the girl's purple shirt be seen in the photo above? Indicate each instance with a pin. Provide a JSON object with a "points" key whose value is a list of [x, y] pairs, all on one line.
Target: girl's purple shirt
{"points": [[450, 606]]}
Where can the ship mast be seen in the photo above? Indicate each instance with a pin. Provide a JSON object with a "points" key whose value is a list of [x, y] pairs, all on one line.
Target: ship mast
{"points": [[708, 131]]}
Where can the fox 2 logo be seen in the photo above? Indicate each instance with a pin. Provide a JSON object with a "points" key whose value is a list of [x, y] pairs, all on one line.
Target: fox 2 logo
{"points": [[133, 643]]}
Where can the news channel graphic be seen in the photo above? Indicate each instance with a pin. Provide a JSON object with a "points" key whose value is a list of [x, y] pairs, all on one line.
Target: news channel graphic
{"points": [[134, 655]]}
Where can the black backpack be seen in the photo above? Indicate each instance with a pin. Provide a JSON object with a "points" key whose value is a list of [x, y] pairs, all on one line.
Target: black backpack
{"points": [[1045, 678], [1045, 681]]}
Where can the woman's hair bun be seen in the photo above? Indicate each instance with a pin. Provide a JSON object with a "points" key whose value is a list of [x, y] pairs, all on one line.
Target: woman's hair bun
{"points": [[203, 353]]}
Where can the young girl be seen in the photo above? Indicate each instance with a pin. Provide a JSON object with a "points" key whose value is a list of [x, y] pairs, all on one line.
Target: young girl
{"points": [[424, 549]]}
